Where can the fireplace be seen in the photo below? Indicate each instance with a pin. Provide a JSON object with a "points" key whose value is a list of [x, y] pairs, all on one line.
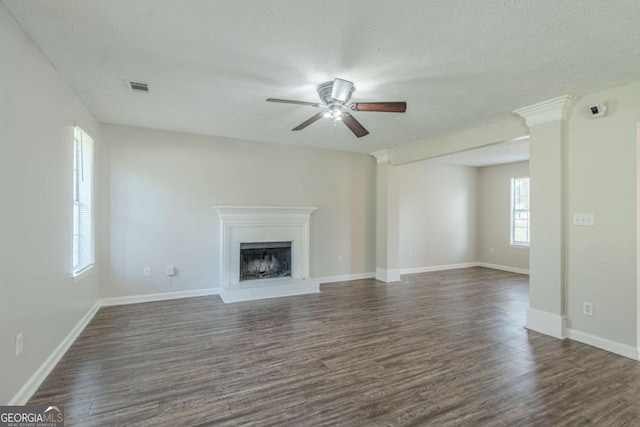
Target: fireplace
{"points": [[265, 260], [273, 242]]}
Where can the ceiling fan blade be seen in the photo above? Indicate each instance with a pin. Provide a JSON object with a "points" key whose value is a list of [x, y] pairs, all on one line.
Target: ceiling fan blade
{"points": [[388, 107], [309, 121], [288, 101], [341, 89], [354, 125]]}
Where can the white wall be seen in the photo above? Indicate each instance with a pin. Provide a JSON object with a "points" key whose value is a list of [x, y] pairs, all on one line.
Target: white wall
{"points": [[438, 214], [37, 295], [161, 187], [494, 215], [601, 260]]}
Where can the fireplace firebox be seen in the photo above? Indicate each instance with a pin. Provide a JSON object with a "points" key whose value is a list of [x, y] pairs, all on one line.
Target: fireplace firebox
{"points": [[265, 260]]}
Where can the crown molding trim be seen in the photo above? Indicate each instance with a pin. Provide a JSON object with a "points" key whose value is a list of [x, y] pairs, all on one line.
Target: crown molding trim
{"points": [[383, 156], [547, 111]]}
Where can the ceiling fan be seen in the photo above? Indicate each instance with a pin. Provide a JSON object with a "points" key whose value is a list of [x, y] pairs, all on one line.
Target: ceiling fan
{"points": [[335, 96]]}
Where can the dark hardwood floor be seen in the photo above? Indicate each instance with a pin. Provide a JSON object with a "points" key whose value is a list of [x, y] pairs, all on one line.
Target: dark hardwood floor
{"points": [[445, 348]]}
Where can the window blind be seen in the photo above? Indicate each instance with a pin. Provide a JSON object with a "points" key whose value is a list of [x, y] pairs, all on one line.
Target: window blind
{"points": [[83, 209]]}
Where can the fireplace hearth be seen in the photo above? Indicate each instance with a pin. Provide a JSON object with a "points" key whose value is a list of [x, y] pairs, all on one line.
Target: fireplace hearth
{"points": [[265, 260]]}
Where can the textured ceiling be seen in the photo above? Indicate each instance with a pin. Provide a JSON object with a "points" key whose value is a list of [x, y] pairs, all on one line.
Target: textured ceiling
{"points": [[506, 152], [211, 64]]}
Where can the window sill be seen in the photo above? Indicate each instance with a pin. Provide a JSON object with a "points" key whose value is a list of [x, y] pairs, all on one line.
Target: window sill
{"points": [[79, 276], [519, 246]]}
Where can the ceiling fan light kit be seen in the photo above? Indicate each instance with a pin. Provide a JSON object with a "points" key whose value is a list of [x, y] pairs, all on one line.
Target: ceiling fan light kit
{"points": [[335, 96]]}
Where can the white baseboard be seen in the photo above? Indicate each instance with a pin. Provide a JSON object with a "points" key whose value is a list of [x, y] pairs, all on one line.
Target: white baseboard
{"points": [[437, 268], [135, 299], [345, 278], [604, 344], [387, 276], [546, 323], [463, 265], [31, 386], [503, 268]]}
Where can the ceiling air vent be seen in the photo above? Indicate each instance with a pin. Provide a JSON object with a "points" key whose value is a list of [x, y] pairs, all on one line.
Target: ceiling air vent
{"points": [[139, 87]]}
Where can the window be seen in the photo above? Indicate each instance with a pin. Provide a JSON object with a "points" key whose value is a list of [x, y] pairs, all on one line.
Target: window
{"points": [[83, 229], [520, 215]]}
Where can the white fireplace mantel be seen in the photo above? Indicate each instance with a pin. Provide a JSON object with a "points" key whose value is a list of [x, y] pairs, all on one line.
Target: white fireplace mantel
{"points": [[249, 224], [263, 212]]}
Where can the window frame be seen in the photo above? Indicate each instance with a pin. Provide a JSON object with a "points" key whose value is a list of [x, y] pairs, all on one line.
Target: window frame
{"points": [[512, 213], [83, 205]]}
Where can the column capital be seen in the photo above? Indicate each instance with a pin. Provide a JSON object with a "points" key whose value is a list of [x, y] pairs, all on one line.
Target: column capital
{"points": [[383, 156], [546, 111]]}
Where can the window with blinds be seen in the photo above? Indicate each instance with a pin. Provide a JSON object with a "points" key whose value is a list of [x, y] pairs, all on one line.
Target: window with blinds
{"points": [[83, 216], [520, 215]]}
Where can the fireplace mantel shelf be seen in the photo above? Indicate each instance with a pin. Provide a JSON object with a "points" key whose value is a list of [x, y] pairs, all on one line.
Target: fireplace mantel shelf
{"points": [[264, 210]]}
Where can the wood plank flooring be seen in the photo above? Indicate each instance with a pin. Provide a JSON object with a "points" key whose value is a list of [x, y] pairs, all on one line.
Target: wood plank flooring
{"points": [[444, 348]]}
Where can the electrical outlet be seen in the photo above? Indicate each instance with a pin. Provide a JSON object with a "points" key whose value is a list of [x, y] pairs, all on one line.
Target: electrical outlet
{"points": [[147, 272], [19, 344], [587, 308], [492, 250], [584, 219], [171, 271], [410, 253], [339, 259]]}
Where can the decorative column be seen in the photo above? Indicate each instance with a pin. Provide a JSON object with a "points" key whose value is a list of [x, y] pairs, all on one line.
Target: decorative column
{"points": [[547, 147], [387, 233]]}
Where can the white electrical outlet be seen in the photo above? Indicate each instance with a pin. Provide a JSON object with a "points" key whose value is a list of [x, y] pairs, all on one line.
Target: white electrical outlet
{"points": [[171, 271], [147, 272], [587, 308], [410, 253], [339, 259], [492, 250], [584, 219], [19, 344]]}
